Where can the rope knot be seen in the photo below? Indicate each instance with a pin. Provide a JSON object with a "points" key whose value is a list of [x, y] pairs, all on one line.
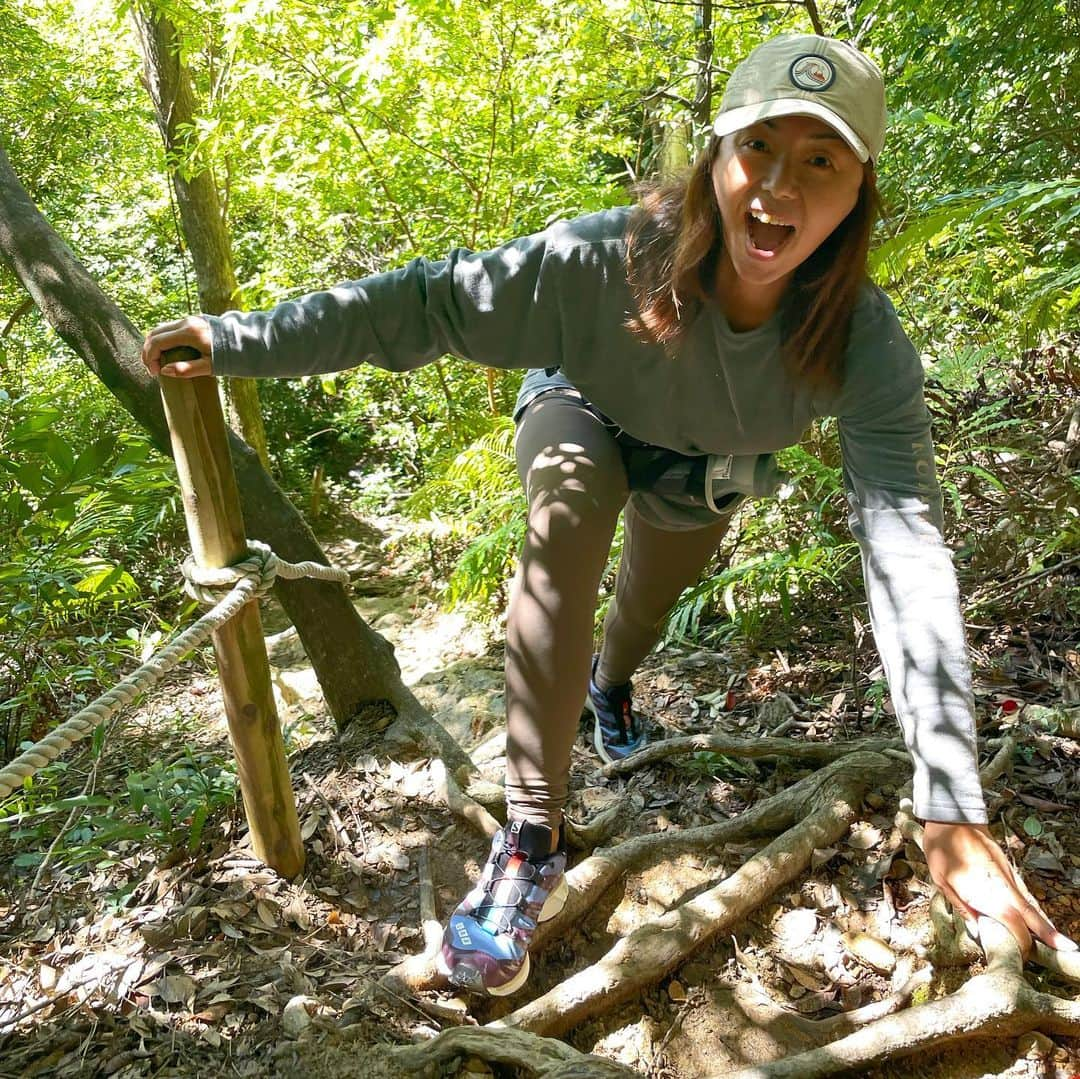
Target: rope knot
{"points": [[259, 566]]}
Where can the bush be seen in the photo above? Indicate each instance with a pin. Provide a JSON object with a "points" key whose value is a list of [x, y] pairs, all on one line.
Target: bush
{"points": [[69, 516]]}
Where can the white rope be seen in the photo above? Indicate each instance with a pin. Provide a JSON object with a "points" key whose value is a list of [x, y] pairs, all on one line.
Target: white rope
{"points": [[248, 579]]}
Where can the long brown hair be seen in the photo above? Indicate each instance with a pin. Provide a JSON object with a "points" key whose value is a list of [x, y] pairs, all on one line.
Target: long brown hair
{"points": [[673, 246]]}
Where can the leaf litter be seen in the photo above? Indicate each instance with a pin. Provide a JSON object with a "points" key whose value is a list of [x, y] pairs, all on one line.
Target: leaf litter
{"points": [[212, 964]]}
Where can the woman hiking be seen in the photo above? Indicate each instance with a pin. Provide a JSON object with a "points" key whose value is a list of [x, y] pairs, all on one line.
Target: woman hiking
{"points": [[672, 348]]}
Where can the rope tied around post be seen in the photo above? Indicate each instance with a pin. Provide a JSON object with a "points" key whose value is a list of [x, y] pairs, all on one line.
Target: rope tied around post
{"points": [[204, 585], [246, 580]]}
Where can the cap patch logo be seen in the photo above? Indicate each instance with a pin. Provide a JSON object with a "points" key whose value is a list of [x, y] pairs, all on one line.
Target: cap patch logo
{"points": [[812, 73]]}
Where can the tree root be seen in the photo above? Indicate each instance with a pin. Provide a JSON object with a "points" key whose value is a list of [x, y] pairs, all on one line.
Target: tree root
{"points": [[459, 803], [815, 812], [1001, 762], [492, 796], [519, 1049], [997, 1004], [822, 1030], [590, 834], [658, 947], [952, 944], [1064, 964], [588, 880], [416, 733], [793, 748]]}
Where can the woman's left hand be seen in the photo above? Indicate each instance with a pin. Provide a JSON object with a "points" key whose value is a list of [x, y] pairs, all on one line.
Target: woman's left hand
{"points": [[973, 873]]}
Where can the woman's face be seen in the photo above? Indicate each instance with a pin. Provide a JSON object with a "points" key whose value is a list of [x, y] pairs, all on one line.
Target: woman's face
{"points": [[782, 187]]}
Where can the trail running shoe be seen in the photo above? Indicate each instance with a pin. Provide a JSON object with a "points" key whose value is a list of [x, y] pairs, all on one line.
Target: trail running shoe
{"points": [[618, 730], [486, 942]]}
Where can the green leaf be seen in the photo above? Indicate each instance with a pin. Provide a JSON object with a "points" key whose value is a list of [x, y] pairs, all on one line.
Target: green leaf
{"points": [[30, 476], [1033, 826], [40, 420], [58, 451], [91, 460], [108, 582]]}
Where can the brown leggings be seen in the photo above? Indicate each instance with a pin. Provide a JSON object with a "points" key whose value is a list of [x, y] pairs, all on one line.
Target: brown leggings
{"points": [[573, 473]]}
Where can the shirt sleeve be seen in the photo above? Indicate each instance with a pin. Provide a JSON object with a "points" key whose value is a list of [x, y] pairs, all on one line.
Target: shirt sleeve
{"points": [[495, 307], [895, 514]]}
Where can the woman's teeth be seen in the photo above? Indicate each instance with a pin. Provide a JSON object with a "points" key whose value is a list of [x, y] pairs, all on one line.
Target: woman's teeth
{"points": [[768, 219]]}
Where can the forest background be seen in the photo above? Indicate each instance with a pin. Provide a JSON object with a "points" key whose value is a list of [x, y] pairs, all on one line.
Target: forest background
{"points": [[346, 138]]}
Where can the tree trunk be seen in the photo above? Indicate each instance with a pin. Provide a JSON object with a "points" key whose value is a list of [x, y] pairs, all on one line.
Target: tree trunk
{"points": [[169, 85], [354, 665], [703, 23]]}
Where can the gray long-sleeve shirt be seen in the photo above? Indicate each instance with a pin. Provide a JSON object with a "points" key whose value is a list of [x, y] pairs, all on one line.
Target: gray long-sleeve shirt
{"points": [[560, 298]]}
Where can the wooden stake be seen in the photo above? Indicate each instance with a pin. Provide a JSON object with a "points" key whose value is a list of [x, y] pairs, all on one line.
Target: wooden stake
{"points": [[216, 531]]}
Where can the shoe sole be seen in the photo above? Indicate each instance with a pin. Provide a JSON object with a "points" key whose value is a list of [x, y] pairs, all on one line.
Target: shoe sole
{"points": [[553, 905]]}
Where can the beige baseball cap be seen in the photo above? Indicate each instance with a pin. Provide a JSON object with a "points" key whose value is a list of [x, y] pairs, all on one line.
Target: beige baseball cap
{"points": [[807, 75]]}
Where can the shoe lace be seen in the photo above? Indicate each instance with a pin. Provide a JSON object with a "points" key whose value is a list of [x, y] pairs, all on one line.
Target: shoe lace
{"points": [[495, 910]]}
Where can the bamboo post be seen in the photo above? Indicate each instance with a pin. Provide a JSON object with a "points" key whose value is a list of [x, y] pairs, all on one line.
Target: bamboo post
{"points": [[216, 532]]}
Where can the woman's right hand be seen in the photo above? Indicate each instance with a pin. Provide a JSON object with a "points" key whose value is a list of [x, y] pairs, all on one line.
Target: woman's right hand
{"points": [[191, 332]]}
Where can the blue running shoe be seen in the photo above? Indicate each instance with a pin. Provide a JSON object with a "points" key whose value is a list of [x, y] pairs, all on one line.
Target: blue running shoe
{"points": [[486, 942], [619, 730]]}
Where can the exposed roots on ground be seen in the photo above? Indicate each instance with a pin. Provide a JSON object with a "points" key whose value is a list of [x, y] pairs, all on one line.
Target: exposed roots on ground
{"points": [[823, 1030], [492, 796], [588, 835], [999, 1003], [459, 803], [532, 1054], [791, 748], [588, 880], [415, 733], [656, 948], [811, 815]]}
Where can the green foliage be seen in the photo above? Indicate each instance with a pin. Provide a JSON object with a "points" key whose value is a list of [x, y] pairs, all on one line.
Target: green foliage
{"points": [[162, 808], [478, 496], [76, 519], [180, 796], [708, 765], [1014, 509], [1012, 248]]}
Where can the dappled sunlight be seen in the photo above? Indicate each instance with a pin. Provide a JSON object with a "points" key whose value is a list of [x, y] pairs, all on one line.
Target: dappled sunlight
{"points": [[750, 896]]}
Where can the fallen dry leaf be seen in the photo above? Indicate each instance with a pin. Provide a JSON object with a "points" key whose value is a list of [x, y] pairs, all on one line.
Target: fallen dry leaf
{"points": [[806, 979], [174, 989], [296, 1017], [268, 913], [870, 951], [795, 927], [863, 836], [821, 856]]}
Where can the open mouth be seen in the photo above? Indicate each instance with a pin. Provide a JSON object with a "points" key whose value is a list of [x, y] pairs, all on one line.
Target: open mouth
{"points": [[767, 237]]}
